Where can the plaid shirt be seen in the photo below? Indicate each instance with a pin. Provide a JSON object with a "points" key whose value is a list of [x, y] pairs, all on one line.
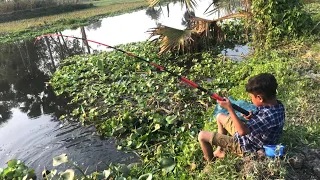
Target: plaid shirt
{"points": [[265, 127]]}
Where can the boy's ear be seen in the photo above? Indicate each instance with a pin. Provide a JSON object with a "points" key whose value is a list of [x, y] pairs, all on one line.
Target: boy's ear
{"points": [[260, 98]]}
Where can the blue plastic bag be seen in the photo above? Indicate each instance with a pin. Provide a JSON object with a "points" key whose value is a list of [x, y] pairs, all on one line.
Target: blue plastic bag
{"points": [[241, 103]]}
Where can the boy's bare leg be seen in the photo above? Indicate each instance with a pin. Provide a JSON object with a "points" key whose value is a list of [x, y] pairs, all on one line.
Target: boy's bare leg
{"points": [[221, 119], [205, 139]]}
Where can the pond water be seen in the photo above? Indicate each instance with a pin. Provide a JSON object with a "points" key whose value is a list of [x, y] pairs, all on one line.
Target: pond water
{"points": [[29, 125], [133, 27]]}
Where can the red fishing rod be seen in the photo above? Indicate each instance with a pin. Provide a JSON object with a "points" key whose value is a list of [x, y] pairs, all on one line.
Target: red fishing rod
{"points": [[161, 68]]}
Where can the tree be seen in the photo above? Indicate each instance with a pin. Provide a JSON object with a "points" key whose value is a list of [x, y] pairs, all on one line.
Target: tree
{"points": [[269, 21], [199, 31]]}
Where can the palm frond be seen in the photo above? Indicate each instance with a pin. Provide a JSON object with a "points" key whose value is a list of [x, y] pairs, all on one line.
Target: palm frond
{"points": [[216, 5], [190, 4], [171, 38], [201, 25], [202, 33], [234, 15], [152, 3], [207, 28], [228, 5]]}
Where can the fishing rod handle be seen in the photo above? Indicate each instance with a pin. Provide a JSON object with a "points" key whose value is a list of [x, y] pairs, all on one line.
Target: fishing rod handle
{"points": [[235, 107], [239, 109]]}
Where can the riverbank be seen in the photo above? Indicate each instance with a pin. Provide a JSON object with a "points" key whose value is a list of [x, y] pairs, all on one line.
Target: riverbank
{"points": [[27, 28], [44, 11]]}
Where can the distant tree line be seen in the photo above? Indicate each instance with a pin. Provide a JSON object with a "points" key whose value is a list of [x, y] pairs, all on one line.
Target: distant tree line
{"points": [[16, 5]]}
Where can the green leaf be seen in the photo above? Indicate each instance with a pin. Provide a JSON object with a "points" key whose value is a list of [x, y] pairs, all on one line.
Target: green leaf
{"points": [[67, 175], [156, 127], [54, 172], [167, 164], [100, 65], [170, 119], [50, 175], [60, 159], [147, 176], [31, 174], [8, 172], [121, 178], [12, 163], [124, 170], [118, 130], [25, 177], [106, 173]]}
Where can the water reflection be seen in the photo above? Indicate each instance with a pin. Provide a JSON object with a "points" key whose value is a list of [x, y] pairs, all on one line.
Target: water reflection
{"points": [[24, 69], [154, 13], [95, 25], [5, 113]]}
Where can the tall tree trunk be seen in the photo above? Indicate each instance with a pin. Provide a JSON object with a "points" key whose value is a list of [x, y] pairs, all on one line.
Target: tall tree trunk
{"points": [[50, 52], [84, 38]]}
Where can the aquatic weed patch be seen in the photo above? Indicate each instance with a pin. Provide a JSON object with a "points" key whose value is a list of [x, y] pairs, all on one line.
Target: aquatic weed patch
{"points": [[159, 117], [16, 169], [127, 99]]}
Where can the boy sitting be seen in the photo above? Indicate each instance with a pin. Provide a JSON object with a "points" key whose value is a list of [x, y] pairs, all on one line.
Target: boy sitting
{"points": [[263, 127]]}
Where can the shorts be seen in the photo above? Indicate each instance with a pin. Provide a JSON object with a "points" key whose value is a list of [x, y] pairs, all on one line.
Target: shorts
{"points": [[227, 143]]}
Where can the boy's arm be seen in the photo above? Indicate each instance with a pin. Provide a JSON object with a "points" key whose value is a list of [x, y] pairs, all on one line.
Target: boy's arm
{"points": [[240, 127]]}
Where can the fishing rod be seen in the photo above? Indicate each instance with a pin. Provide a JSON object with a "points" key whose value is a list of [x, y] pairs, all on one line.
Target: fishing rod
{"points": [[161, 68]]}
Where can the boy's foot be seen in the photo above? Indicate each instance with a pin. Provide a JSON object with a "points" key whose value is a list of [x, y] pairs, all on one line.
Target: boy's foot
{"points": [[219, 154]]}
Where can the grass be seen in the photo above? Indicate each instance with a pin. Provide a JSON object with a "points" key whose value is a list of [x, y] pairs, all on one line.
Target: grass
{"points": [[45, 11], [18, 5], [16, 26], [301, 98], [313, 9], [110, 2]]}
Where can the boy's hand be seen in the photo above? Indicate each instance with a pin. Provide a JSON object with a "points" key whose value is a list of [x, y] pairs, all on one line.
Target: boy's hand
{"points": [[247, 117], [225, 104]]}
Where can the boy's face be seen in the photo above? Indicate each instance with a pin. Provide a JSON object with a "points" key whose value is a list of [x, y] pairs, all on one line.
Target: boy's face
{"points": [[256, 100]]}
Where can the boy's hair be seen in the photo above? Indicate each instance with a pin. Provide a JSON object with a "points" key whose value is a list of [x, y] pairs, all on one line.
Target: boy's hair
{"points": [[264, 84]]}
